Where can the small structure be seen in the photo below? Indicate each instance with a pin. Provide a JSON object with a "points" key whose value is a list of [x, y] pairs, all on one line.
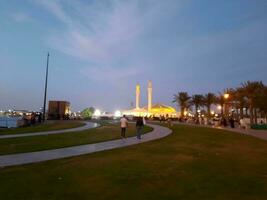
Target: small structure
{"points": [[59, 110]]}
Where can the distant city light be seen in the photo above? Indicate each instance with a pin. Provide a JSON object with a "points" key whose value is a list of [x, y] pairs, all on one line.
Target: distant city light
{"points": [[117, 113], [97, 113]]}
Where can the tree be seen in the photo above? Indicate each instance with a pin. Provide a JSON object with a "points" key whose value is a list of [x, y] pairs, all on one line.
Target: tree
{"points": [[197, 101], [87, 113], [182, 99], [220, 100], [208, 100], [239, 100], [251, 91], [261, 101]]}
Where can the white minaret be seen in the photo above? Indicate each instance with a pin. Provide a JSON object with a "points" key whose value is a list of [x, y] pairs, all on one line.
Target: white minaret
{"points": [[149, 96], [137, 95]]}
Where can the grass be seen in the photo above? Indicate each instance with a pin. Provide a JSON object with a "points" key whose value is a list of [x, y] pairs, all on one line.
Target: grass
{"points": [[50, 126], [37, 143], [259, 126], [192, 163]]}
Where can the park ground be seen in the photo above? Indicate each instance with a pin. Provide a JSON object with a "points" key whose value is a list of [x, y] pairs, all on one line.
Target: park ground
{"points": [[191, 163], [47, 126], [105, 132]]}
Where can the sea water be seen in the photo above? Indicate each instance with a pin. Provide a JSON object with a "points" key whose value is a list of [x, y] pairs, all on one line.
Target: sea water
{"points": [[8, 122]]}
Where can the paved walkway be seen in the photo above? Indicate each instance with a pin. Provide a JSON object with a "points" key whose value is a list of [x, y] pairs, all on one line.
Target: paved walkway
{"points": [[33, 157], [88, 125], [262, 134]]}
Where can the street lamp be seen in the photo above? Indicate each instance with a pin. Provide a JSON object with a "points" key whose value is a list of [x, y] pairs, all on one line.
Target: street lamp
{"points": [[226, 95], [47, 63]]}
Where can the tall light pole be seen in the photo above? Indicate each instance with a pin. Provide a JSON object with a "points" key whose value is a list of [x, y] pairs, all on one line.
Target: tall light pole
{"points": [[226, 96], [47, 63]]}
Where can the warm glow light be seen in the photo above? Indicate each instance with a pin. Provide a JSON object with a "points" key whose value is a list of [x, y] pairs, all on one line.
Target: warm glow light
{"points": [[185, 112], [212, 112], [198, 111], [219, 107], [97, 113], [117, 113], [226, 96]]}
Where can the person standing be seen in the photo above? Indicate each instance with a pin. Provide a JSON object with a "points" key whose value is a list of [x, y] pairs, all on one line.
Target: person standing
{"points": [[139, 127], [232, 122], [33, 118], [124, 125]]}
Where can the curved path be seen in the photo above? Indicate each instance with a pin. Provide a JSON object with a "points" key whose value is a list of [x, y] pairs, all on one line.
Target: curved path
{"points": [[33, 157], [88, 125]]}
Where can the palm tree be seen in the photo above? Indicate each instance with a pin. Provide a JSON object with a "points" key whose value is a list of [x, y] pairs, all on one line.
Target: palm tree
{"points": [[225, 102], [251, 91], [220, 100], [182, 99], [197, 101], [208, 100], [239, 100], [261, 100]]}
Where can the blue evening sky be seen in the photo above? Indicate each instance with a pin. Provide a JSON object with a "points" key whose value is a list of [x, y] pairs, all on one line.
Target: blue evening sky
{"points": [[101, 49]]}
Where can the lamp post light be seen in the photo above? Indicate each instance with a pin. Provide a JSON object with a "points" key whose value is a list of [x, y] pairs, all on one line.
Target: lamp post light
{"points": [[47, 63], [226, 97]]}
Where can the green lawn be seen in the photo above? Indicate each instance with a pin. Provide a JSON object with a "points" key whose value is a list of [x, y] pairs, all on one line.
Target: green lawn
{"points": [[192, 163], [36, 143], [259, 126], [48, 126]]}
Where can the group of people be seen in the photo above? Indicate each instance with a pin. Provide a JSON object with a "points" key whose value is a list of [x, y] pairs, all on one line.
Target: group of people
{"points": [[231, 121], [31, 119], [140, 122]]}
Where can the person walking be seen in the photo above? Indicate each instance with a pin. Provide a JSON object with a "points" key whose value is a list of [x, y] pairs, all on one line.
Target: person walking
{"points": [[169, 120], [139, 127], [124, 125]]}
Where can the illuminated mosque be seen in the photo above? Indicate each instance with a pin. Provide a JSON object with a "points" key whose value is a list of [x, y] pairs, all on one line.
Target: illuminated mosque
{"points": [[155, 110]]}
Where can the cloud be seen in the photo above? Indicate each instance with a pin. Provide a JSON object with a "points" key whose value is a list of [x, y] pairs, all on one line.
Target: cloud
{"points": [[102, 39], [129, 38], [106, 35], [56, 9]]}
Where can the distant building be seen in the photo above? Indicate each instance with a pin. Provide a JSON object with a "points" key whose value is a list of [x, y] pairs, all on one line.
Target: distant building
{"points": [[151, 110], [59, 110]]}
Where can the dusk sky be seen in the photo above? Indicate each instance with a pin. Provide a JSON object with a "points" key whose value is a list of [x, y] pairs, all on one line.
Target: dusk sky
{"points": [[99, 50]]}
